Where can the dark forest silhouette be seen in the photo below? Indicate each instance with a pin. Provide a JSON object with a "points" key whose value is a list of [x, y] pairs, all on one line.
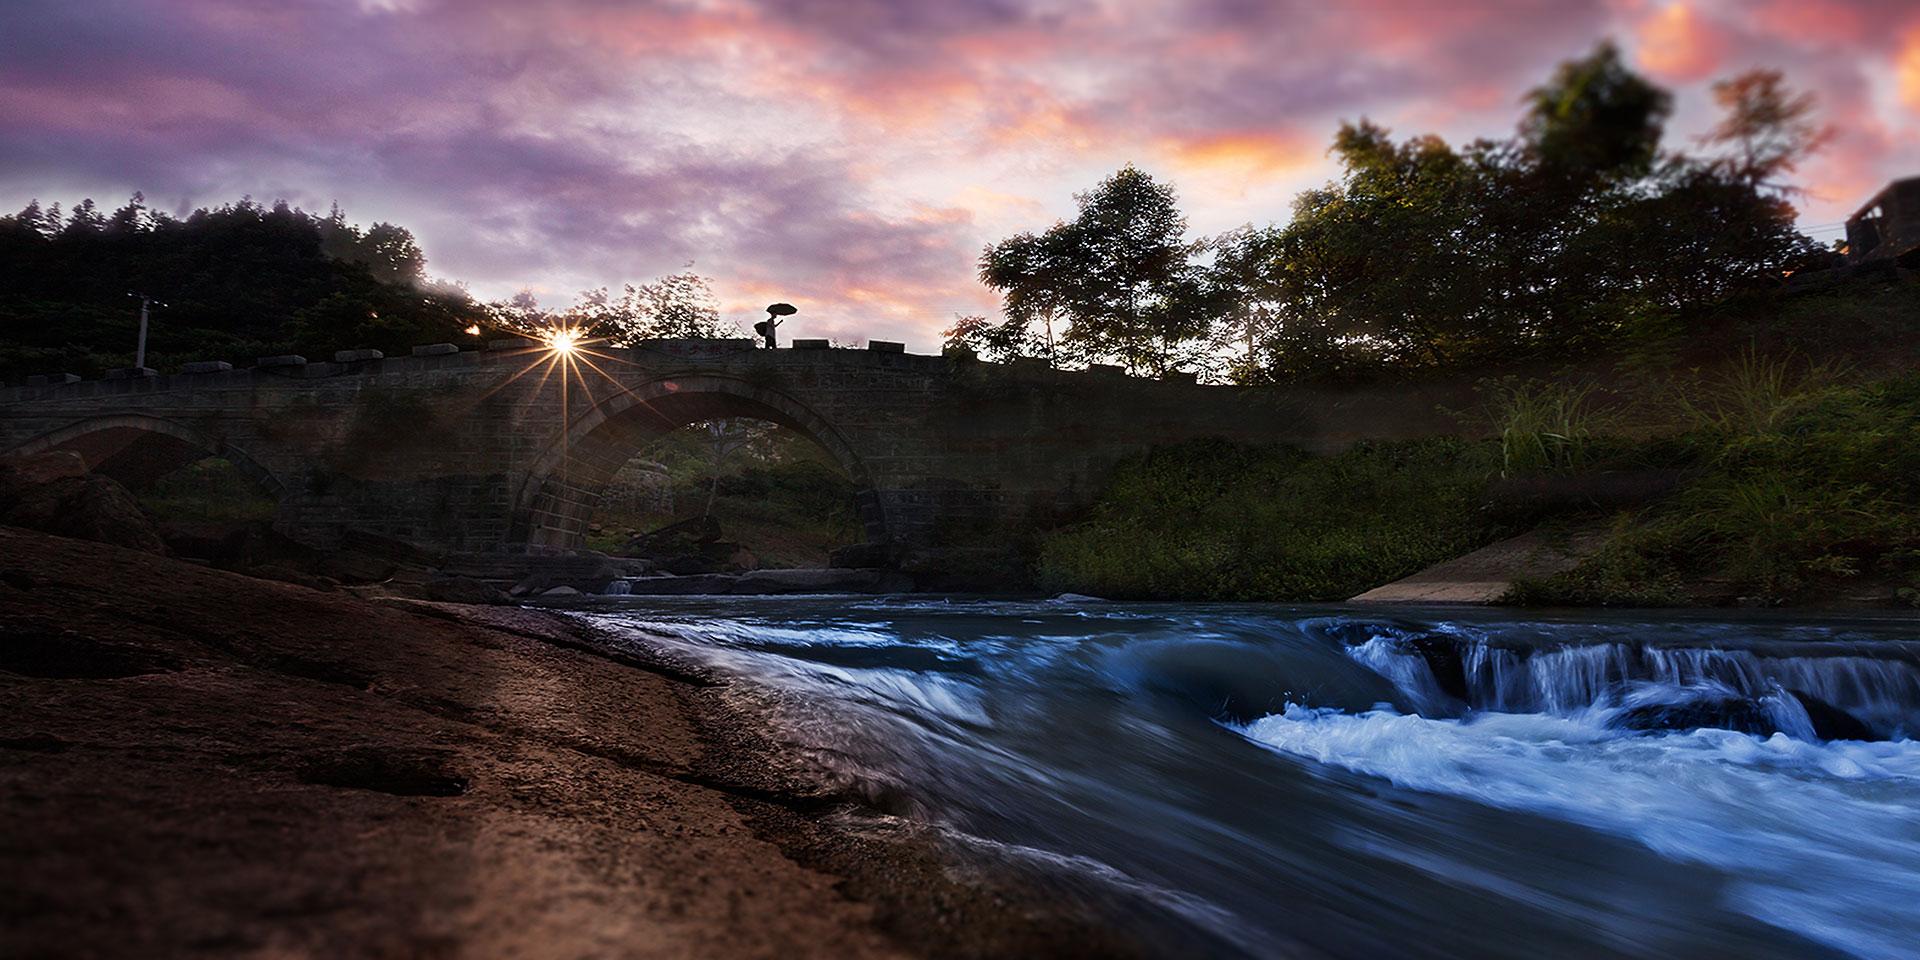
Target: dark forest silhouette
{"points": [[1579, 231]]}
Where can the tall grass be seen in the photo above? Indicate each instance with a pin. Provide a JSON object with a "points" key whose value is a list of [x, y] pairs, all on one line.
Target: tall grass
{"points": [[1803, 489], [1226, 522], [1545, 427], [1757, 393]]}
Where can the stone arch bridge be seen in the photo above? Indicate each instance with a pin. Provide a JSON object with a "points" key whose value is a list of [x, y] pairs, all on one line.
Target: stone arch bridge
{"points": [[495, 450]]}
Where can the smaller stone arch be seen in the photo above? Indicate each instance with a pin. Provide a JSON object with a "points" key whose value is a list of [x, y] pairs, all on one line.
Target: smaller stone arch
{"points": [[136, 449], [565, 483]]}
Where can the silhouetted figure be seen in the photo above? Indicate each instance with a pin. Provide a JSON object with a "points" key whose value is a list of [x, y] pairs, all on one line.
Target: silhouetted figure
{"points": [[766, 328]]}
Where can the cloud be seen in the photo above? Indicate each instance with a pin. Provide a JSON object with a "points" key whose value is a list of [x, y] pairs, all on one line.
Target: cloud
{"points": [[852, 156], [1677, 43], [1907, 70]]}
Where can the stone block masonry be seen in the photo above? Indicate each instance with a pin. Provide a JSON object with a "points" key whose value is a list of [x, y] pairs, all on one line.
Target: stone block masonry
{"points": [[490, 450]]}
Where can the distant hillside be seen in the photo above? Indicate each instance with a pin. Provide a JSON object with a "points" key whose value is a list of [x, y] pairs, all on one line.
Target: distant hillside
{"points": [[237, 282]]}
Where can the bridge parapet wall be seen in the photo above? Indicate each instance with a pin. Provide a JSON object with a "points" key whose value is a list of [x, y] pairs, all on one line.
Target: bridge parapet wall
{"points": [[495, 449]]}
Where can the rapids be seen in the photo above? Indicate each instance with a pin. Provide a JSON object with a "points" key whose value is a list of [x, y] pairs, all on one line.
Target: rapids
{"points": [[1316, 781]]}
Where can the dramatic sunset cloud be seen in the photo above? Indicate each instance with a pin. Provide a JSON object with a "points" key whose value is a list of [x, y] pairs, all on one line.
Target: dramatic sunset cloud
{"points": [[851, 156]]}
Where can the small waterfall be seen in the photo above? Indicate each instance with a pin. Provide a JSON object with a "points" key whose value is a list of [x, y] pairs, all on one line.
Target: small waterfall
{"points": [[1808, 694], [618, 588]]}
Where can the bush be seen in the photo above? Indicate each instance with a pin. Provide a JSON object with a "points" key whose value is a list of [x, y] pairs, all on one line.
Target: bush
{"points": [[1802, 490], [212, 490], [1544, 427], [1214, 520]]}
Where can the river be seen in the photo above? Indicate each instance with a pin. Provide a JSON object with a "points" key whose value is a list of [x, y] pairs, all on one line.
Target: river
{"points": [[1323, 781]]}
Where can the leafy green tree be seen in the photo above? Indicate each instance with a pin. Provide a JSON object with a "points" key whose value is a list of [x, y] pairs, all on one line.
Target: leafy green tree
{"points": [[995, 341], [1572, 234], [676, 306], [1121, 274], [1768, 128], [1596, 119], [239, 281], [1032, 272]]}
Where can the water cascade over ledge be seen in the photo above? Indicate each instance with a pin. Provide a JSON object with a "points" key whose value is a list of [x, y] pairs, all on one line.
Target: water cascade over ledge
{"points": [[1267, 781]]}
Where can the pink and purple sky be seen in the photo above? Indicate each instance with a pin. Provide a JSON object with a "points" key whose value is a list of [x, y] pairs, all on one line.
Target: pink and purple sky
{"points": [[851, 156]]}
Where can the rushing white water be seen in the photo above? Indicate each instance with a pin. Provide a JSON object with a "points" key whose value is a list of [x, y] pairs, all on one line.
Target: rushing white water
{"points": [[1268, 782], [1824, 838]]}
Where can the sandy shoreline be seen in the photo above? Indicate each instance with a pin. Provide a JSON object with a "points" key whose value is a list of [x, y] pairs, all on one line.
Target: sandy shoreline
{"points": [[195, 762]]}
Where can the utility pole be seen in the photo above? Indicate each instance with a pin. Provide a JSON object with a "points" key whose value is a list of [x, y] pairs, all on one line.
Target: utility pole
{"points": [[140, 351]]}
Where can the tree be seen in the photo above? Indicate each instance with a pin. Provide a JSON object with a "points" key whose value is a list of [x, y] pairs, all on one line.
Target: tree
{"points": [[1031, 271], [1768, 129], [85, 219], [1572, 233], [1596, 119], [392, 254], [1121, 273], [1251, 297], [240, 281], [679, 306]]}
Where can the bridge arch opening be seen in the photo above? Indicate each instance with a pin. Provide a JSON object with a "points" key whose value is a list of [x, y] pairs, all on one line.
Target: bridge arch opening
{"points": [[710, 415], [142, 452]]}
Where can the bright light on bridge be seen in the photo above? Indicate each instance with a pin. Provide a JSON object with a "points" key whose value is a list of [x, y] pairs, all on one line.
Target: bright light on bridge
{"points": [[563, 341]]}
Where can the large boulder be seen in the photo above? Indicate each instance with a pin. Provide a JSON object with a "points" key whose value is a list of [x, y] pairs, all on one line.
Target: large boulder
{"points": [[54, 493], [1831, 722], [1726, 713]]}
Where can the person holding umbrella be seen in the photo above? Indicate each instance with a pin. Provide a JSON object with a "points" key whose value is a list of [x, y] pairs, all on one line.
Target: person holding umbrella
{"points": [[766, 328]]}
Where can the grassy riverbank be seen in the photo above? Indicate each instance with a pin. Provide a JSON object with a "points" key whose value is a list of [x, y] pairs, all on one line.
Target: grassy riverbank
{"points": [[1217, 521], [1799, 490], [1769, 480]]}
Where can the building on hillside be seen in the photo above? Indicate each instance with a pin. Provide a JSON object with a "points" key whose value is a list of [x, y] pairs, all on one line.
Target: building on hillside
{"points": [[1887, 226]]}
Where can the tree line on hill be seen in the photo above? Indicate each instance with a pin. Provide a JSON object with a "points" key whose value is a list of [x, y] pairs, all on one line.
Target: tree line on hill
{"points": [[246, 280], [1578, 230]]}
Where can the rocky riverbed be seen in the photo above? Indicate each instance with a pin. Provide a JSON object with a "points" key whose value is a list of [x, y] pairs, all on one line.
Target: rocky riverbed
{"points": [[198, 762]]}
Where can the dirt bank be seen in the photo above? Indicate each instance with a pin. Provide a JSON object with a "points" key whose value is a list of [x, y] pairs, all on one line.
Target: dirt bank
{"points": [[193, 762]]}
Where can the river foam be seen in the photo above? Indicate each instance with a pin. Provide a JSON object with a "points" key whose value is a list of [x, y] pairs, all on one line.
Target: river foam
{"points": [[1822, 838], [1377, 784]]}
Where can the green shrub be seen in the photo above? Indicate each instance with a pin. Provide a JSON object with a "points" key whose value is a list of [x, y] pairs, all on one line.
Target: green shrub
{"points": [[1214, 520], [1756, 394], [1544, 427], [212, 490], [1801, 487]]}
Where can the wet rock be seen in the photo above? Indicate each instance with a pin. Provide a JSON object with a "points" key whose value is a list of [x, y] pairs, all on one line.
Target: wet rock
{"points": [[461, 590], [288, 575], [1725, 713], [35, 743], [53, 493], [1443, 658], [702, 584], [71, 656], [831, 580], [860, 555], [560, 592], [531, 584], [401, 772], [1831, 722], [223, 545]]}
